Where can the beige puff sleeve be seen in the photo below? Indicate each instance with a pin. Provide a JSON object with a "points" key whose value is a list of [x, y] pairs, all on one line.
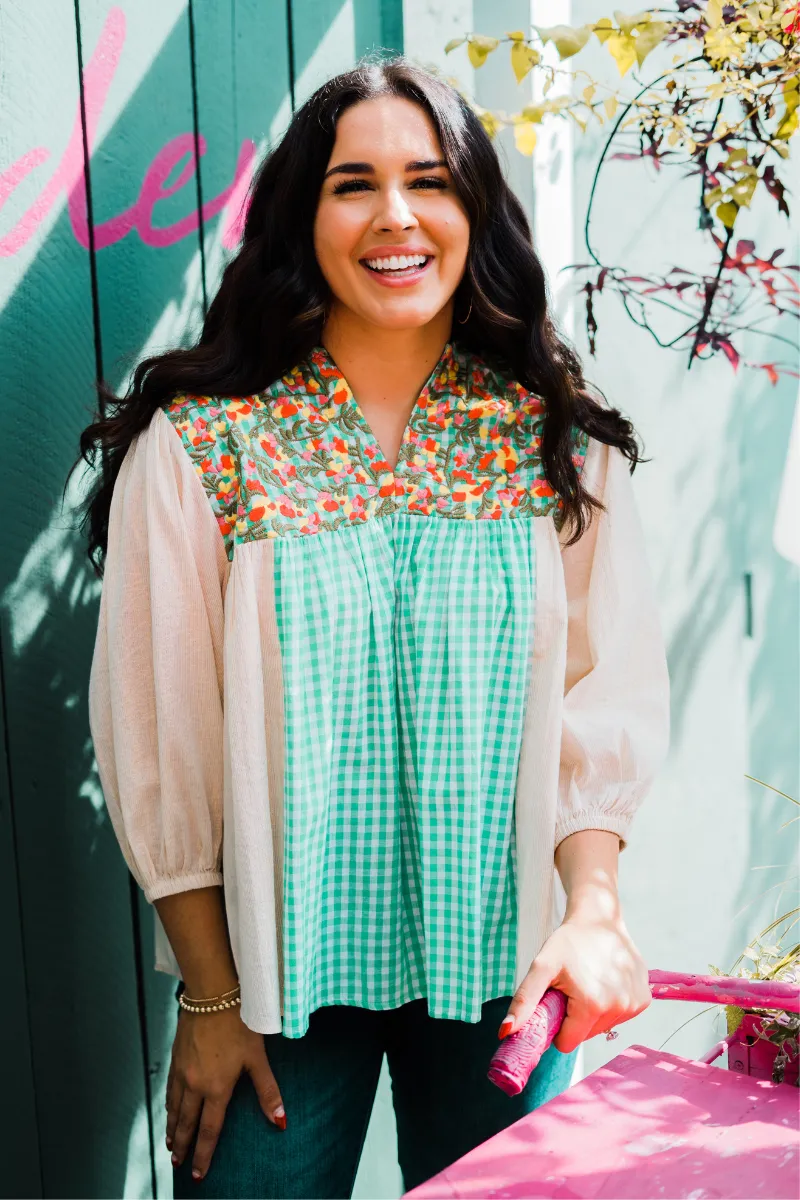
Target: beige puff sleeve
{"points": [[156, 683], [616, 706]]}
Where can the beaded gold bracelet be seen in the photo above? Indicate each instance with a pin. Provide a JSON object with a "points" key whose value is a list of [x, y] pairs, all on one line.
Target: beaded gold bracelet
{"points": [[211, 1003], [207, 1008]]}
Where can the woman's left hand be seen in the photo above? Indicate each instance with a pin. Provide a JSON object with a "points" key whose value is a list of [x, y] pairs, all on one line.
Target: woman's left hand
{"points": [[593, 961]]}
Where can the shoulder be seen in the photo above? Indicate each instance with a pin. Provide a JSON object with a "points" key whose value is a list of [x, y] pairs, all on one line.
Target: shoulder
{"points": [[491, 380], [222, 434]]}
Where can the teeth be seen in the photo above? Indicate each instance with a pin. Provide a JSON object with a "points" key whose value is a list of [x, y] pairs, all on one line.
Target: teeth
{"points": [[397, 262]]}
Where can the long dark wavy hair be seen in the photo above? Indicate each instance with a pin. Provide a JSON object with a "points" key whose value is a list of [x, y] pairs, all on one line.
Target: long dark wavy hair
{"points": [[273, 300]]}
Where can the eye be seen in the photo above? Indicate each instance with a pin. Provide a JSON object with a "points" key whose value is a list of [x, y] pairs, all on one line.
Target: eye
{"points": [[350, 185], [432, 181]]}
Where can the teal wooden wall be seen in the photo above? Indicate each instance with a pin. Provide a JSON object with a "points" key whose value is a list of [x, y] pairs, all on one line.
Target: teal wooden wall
{"points": [[111, 244]]}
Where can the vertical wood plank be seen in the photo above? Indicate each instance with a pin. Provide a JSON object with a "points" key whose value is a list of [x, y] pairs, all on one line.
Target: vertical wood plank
{"points": [[243, 102], [150, 270], [21, 1165], [73, 892]]}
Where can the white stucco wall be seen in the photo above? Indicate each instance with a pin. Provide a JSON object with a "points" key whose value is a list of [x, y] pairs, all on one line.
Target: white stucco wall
{"points": [[707, 842]]}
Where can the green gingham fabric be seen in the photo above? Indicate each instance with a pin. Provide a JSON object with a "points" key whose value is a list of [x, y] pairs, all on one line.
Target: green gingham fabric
{"points": [[404, 599], [405, 644]]}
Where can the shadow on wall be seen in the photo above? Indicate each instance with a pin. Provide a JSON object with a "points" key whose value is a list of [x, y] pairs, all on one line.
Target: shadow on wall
{"points": [[758, 589], [101, 1020]]}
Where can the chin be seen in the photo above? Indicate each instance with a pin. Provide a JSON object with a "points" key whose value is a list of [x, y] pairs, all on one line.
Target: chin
{"points": [[410, 319]]}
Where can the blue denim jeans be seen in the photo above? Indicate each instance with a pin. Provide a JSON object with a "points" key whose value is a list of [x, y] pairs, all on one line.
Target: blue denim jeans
{"points": [[444, 1104]]}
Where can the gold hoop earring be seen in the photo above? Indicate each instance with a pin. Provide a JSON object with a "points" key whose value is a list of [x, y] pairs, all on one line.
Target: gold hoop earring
{"points": [[466, 318]]}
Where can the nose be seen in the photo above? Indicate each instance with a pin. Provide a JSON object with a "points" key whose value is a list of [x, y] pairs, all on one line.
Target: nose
{"points": [[394, 212]]}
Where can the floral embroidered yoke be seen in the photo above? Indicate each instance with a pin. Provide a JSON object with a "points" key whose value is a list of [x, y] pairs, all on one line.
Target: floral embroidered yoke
{"points": [[300, 458], [370, 702], [404, 642]]}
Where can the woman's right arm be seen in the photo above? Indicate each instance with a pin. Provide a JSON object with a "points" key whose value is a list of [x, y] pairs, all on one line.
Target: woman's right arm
{"points": [[156, 717], [211, 1049]]}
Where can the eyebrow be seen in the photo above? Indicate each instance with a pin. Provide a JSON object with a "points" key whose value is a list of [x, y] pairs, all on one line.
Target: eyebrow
{"points": [[365, 168]]}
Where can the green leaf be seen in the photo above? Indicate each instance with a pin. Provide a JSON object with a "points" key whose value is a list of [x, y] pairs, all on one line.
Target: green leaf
{"points": [[454, 44]]}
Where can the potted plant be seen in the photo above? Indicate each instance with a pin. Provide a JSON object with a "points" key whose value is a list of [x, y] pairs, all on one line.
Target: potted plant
{"points": [[761, 1042]]}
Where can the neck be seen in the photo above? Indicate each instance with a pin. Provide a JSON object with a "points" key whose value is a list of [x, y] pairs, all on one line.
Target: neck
{"points": [[400, 355]]}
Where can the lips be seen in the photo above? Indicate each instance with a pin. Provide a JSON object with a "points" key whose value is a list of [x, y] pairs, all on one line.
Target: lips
{"points": [[397, 266], [398, 276]]}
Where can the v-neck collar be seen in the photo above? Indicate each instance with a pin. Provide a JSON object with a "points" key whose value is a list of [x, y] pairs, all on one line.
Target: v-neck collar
{"points": [[440, 382]]}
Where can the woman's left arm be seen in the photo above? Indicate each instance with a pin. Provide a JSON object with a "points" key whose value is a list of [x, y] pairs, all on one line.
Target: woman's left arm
{"points": [[614, 739]]}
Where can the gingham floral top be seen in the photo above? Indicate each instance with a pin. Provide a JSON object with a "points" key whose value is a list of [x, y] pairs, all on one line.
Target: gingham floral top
{"points": [[338, 688]]}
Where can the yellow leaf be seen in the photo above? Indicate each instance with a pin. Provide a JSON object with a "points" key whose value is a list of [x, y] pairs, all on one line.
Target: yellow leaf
{"points": [[627, 23], [788, 125], [711, 198], [489, 122], [742, 192], [715, 91], [480, 47], [674, 137], [522, 59], [649, 38], [713, 13], [588, 93], [737, 155], [734, 1017], [581, 124], [727, 213], [516, 36], [603, 29], [720, 44], [791, 97], [525, 137], [567, 41], [454, 44], [622, 48], [610, 105], [534, 113]]}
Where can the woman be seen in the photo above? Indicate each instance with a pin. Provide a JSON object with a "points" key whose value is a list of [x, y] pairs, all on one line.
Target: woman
{"points": [[363, 538]]}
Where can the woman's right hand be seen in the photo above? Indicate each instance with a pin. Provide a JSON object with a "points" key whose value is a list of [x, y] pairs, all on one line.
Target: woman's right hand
{"points": [[209, 1053]]}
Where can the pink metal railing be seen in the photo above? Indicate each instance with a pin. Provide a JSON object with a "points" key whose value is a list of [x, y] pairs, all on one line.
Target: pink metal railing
{"points": [[519, 1053]]}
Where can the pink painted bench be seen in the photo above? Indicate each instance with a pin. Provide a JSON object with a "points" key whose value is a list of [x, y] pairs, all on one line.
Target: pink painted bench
{"points": [[648, 1124]]}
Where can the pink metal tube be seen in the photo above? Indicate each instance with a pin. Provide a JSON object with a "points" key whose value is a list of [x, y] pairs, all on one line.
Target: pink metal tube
{"points": [[722, 989], [713, 1054], [518, 1055]]}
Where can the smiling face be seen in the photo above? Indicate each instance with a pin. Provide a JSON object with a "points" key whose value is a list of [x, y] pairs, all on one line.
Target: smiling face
{"points": [[391, 234]]}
